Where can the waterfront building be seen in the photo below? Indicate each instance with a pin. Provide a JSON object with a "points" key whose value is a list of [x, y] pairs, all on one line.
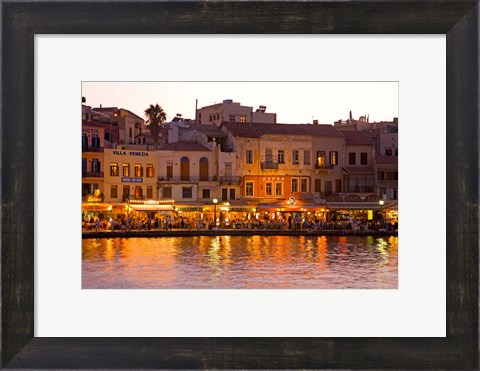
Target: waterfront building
{"points": [[230, 111], [131, 181], [129, 124], [92, 158], [385, 136], [280, 165]]}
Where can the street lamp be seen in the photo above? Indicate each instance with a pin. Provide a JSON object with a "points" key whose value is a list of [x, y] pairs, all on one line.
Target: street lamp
{"points": [[381, 202], [215, 212]]}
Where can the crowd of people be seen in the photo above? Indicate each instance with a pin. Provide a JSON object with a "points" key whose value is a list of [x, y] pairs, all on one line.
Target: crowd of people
{"points": [[296, 223]]}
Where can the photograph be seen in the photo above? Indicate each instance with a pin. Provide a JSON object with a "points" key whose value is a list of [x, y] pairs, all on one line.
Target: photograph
{"points": [[239, 185]]}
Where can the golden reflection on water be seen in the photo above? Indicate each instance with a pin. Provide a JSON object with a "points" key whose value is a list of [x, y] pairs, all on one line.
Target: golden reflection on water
{"points": [[241, 262]]}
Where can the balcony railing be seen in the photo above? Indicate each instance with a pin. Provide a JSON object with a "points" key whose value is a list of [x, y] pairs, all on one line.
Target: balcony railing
{"points": [[92, 149], [230, 179], [324, 166], [269, 165], [92, 174], [188, 178]]}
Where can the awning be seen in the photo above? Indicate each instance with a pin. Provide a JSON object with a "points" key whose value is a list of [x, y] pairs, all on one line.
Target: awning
{"points": [[96, 206], [152, 207]]}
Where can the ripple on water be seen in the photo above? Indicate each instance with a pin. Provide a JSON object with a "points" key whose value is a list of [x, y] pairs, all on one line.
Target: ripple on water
{"points": [[242, 262]]}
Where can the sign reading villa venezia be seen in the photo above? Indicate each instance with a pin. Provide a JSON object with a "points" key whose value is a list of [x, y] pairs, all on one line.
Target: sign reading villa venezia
{"points": [[132, 180], [130, 153]]}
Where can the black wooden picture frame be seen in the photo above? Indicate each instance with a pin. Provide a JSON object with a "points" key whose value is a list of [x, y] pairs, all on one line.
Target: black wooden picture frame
{"points": [[458, 20]]}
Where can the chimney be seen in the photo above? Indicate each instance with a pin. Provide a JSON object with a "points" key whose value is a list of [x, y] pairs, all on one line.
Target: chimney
{"points": [[315, 122]]}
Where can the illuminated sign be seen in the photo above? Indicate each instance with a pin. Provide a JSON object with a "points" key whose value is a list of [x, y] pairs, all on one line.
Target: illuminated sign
{"points": [[92, 198], [369, 214], [291, 200], [127, 179]]}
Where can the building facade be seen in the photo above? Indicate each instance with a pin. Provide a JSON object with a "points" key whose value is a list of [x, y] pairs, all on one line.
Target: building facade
{"points": [[230, 111]]}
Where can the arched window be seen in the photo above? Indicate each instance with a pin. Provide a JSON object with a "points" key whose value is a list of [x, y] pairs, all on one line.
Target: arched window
{"points": [[203, 168], [184, 168]]}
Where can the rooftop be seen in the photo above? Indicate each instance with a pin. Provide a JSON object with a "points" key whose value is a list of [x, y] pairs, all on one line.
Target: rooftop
{"points": [[257, 130], [184, 146], [357, 138]]}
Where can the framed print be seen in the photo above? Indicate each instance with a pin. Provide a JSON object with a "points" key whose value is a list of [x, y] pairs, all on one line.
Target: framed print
{"points": [[22, 348]]}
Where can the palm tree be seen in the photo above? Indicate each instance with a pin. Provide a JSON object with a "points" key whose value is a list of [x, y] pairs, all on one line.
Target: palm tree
{"points": [[155, 116]]}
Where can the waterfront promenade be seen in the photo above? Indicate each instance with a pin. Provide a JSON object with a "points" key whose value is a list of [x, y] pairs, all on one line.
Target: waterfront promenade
{"points": [[232, 232]]}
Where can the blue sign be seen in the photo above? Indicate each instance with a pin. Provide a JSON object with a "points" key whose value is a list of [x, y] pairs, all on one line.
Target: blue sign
{"points": [[132, 180]]}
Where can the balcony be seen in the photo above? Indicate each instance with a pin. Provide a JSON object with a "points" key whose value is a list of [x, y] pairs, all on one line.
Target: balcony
{"points": [[324, 166], [269, 165], [230, 179], [92, 149], [92, 174]]}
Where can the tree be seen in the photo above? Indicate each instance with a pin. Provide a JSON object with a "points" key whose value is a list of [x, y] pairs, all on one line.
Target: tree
{"points": [[155, 116]]}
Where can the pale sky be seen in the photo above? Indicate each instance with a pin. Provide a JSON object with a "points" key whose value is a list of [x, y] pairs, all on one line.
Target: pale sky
{"points": [[293, 102]]}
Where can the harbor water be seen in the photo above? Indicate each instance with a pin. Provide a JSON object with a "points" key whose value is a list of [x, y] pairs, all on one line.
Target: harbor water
{"points": [[241, 262]]}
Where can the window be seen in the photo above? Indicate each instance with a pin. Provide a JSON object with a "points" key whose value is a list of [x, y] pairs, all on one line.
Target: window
{"points": [[362, 183], [184, 168], [126, 169], [169, 170], [113, 191], [320, 159], [205, 193], [95, 165], [295, 157], [248, 188], [388, 152], [318, 184], [84, 141], [351, 158], [278, 189], [294, 185], [231, 118], [113, 169], [149, 171], [338, 185], [149, 192], [126, 192], [364, 158], [268, 155], [232, 193], [243, 119], [388, 175], [328, 187], [268, 189], [203, 168], [281, 156], [396, 151], [138, 170], [167, 192], [333, 158], [249, 156], [138, 192], [130, 132], [306, 157], [303, 185], [187, 192], [95, 141]]}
